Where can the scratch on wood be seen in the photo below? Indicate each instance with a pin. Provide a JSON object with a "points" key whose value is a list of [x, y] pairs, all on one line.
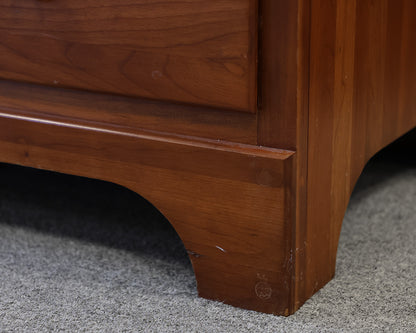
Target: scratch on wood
{"points": [[221, 249], [194, 254]]}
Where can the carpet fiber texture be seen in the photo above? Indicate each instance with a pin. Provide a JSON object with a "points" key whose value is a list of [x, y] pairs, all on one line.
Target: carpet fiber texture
{"points": [[82, 255]]}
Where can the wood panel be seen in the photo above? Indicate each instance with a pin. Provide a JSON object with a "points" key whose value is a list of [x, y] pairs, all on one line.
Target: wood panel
{"points": [[154, 116], [226, 201], [362, 97], [283, 107], [199, 52], [283, 72], [337, 82]]}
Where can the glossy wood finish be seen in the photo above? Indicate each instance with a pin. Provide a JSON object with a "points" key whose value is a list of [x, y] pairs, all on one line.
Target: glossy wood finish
{"points": [[283, 108], [283, 73], [257, 198], [153, 116], [227, 202], [362, 97], [199, 52]]}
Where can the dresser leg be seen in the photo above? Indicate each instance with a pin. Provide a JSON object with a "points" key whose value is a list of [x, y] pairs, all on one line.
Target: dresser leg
{"points": [[247, 265], [239, 235], [237, 226]]}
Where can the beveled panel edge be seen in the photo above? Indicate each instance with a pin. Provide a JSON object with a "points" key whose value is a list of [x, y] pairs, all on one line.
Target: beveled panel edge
{"points": [[213, 78], [144, 114]]}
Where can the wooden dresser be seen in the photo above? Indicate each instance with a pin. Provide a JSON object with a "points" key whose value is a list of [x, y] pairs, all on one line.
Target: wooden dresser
{"points": [[245, 122]]}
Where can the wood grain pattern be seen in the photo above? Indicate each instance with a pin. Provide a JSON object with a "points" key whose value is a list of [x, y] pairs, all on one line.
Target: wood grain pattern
{"points": [[258, 198], [199, 52], [235, 228], [283, 72], [153, 116], [362, 97], [283, 108]]}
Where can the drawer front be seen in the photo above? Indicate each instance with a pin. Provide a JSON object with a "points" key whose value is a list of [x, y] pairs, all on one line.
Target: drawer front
{"points": [[195, 51]]}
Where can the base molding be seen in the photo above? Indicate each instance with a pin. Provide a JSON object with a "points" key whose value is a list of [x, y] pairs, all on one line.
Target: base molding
{"points": [[227, 202]]}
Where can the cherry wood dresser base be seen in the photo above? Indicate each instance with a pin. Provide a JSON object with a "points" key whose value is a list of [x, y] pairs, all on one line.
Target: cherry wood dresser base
{"points": [[247, 134]]}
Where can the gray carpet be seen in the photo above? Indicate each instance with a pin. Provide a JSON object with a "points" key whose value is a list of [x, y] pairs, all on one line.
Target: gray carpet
{"points": [[83, 255]]}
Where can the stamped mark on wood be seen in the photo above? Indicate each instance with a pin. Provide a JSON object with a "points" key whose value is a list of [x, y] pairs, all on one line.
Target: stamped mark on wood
{"points": [[263, 289]]}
